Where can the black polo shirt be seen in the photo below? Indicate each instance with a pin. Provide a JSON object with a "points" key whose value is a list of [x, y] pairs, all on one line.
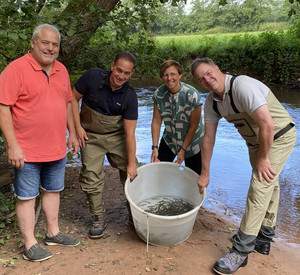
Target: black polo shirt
{"points": [[110, 101]]}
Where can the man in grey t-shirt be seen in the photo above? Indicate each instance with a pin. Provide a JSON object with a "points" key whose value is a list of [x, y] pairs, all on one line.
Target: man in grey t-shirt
{"points": [[269, 132]]}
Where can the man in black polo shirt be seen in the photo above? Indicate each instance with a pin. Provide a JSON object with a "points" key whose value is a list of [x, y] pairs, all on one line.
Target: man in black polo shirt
{"points": [[106, 126]]}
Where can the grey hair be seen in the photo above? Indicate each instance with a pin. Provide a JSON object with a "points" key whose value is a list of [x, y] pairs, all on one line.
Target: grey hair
{"points": [[37, 31], [198, 61]]}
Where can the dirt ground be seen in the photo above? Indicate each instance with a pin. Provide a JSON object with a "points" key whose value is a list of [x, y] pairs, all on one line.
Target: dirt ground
{"points": [[121, 251]]}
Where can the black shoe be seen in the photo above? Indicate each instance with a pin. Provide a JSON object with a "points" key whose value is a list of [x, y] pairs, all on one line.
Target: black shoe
{"points": [[231, 262], [262, 248], [97, 229]]}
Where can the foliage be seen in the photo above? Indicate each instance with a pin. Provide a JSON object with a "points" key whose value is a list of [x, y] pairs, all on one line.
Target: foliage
{"points": [[7, 204], [122, 28], [295, 4], [9, 262], [17, 18], [78, 20], [126, 25], [269, 56], [235, 16], [7, 201], [141, 44], [295, 30]]}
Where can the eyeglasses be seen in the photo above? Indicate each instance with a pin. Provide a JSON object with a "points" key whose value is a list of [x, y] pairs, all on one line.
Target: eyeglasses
{"points": [[165, 76]]}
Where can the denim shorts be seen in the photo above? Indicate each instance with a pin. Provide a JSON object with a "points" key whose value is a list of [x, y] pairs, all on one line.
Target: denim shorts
{"points": [[50, 174]]}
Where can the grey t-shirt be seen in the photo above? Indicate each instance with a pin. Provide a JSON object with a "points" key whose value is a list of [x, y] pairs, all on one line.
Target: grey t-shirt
{"points": [[248, 95]]}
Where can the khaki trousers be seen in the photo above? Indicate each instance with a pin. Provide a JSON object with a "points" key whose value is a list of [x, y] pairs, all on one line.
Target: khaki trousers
{"points": [[263, 197], [92, 155]]}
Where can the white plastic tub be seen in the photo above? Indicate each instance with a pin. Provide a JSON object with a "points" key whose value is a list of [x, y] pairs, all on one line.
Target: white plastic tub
{"points": [[170, 180]]}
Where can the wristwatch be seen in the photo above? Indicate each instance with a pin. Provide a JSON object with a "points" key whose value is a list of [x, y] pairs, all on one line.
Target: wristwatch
{"points": [[154, 146]]}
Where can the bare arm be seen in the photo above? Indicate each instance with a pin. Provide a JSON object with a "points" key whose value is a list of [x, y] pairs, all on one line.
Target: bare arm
{"points": [[73, 143], [155, 131], [80, 132], [206, 154], [194, 122], [129, 127], [15, 154], [263, 119]]}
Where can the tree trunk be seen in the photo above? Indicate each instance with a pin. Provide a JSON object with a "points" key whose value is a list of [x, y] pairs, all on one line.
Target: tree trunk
{"points": [[86, 24]]}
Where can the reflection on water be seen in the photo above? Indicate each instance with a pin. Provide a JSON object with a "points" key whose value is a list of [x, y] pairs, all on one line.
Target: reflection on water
{"points": [[230, 168]]}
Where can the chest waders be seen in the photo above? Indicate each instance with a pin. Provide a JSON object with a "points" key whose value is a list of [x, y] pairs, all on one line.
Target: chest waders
{"points": [[93, 121], [263, 197], [245, 125], [106, 137]]}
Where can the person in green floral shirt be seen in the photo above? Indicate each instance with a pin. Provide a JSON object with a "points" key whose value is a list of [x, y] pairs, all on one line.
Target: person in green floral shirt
{"points": [[178, 105]]}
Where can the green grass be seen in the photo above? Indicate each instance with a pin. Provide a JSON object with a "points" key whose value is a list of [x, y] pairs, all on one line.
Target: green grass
{"points": [[191, 40], [190, 43], [193, 37]]}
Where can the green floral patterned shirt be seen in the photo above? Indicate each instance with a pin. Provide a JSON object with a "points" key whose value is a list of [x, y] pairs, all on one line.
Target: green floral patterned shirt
{"points": [[176, 114]]}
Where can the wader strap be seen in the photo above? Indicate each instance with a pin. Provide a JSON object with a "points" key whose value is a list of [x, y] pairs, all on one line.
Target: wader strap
{"points": [[125, 100], [230, 94], [95, 97], [215, 106], [284, 130], [104, 74]]}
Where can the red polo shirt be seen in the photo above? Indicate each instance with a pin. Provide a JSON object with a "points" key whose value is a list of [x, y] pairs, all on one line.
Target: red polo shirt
{"points": [[39, 107]]}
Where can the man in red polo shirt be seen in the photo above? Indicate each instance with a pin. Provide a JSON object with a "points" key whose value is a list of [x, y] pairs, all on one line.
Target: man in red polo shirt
{"points": [[35, 111]]}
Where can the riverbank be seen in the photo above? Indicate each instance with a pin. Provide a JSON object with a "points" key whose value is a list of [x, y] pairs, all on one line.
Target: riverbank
{"points": [[121, 251]]}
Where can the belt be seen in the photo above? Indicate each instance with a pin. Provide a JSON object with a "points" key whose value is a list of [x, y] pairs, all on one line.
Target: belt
{"points": [[284, 130]]}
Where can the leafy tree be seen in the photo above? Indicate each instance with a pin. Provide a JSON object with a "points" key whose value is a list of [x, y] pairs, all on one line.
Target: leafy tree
{"points": [[169, 19], [295, 6], [209, 14], [77, 20]]}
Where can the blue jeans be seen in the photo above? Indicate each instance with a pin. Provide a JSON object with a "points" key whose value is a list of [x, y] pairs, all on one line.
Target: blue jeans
{"points": [[50, 174]]}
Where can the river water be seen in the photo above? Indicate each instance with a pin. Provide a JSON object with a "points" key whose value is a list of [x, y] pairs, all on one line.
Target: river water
{"points": [[230, 167]]}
